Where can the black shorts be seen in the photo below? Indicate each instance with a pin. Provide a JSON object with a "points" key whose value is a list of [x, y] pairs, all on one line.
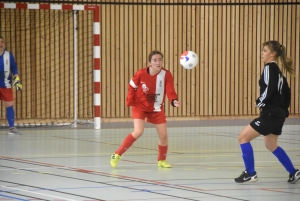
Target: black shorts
{"points": [[267, 124]]}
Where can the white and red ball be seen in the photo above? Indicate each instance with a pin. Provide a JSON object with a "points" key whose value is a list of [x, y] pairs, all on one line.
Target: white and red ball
{"points": [[188, 59]]}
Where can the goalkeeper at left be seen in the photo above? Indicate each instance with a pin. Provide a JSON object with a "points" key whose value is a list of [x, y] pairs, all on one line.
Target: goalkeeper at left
{"points": [[8, 79]]}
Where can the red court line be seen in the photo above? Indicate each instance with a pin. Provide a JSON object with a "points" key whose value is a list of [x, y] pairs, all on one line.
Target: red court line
{"points": [[279, 191], [98, 173]]}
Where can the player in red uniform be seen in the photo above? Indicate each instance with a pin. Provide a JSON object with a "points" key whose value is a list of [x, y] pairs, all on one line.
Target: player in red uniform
{"points": [[146, 94]]}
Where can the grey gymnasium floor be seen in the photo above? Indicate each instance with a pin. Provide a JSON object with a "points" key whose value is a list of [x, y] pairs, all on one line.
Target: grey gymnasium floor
{"points": [[68, 164]]}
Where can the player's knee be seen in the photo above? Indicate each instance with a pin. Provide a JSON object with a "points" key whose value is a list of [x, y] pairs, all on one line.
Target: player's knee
{"points": [[163, 137], [271, 147], [137, 133], [241, 139]]}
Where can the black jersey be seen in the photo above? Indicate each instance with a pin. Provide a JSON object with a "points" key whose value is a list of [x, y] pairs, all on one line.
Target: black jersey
{"points": [[274, 90]]}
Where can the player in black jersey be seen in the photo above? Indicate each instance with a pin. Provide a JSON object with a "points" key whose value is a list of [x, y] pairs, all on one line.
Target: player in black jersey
{"points": [[273, 102]]}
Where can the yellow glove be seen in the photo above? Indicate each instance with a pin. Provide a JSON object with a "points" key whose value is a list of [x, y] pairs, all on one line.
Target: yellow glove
{"points": [[17, 83]]}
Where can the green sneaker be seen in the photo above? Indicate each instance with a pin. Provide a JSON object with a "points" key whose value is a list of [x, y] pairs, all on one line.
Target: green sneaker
{"points": [[114, 159], [164, 164]]}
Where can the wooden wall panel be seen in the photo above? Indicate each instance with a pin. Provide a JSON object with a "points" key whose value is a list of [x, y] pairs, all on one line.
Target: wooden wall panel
{"points": [[227, 38], [228, 41]]}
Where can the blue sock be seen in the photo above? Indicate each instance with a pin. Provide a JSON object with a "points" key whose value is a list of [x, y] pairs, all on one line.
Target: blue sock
{"points": [[248, 157], [284, 159], [10, 116]]}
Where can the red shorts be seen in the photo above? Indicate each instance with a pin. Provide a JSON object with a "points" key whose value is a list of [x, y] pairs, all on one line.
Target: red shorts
{"points": [[6, 94], [151, 117]]}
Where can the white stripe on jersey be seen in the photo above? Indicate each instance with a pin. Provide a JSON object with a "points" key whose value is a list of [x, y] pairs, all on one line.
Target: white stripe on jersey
{"points": [[133, 84], [6, 60], [266, 79], [159, 91]]}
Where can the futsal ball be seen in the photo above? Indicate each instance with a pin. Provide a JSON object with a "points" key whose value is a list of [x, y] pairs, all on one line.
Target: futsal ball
{"points": [[188, 59]]}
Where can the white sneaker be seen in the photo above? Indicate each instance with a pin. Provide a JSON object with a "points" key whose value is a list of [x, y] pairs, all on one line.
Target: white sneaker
{"points": [[293, 178], [14, 131]]}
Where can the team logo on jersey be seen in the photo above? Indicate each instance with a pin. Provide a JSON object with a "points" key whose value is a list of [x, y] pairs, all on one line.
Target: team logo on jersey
{"points": [[257, 123], [6, 61], [160, 83], [145, 88]]}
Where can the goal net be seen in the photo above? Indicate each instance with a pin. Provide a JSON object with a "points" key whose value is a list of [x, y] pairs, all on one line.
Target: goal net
{"points": [[55, 54]]}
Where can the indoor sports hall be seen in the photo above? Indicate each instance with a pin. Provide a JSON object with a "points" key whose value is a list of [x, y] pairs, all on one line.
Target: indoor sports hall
{"points": [[75, 61]]}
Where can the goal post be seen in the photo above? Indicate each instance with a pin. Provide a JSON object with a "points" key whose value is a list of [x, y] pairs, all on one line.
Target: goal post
{"points": [[48, 103]]}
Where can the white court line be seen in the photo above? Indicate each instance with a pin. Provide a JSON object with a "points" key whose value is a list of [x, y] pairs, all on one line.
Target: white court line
{"points": [[38, 193]]}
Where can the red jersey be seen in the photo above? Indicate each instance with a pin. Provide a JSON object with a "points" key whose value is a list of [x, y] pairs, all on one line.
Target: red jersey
{"points": [[148, 92]]}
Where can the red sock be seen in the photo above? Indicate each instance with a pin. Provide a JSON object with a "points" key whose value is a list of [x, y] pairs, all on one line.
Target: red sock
{"points": [[162, 152], [128, 141]]}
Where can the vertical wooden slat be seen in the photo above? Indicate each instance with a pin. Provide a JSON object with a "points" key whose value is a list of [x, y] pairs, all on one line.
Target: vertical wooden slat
{"points": [[206, 62], [126, 42], [244, 41], [219, 62], [210, 60], [284, 27], [259, 26], [37, 60], [124, 73], [177, 76], [224, 66], [130, 37], [272, 21], [241, 32], [186, 76], [120, 65], [109, 54], [141, 53], [153, 27], [242, 101], [70, 68], [52, 90], [255, 54], [149, 30], [170, 43], [250, 65], [289, 50], [292, 55], [267, 22], [297, 61], [55, 66], [41, 67], [60, 49], [228, 63], [276, 22], [145, 36], [215, 67], [232, 58], [193, 74], [112, 65], [197, 71], [119, 72], [32, 61], [104, 59], [90, 48], [165, 47]]}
